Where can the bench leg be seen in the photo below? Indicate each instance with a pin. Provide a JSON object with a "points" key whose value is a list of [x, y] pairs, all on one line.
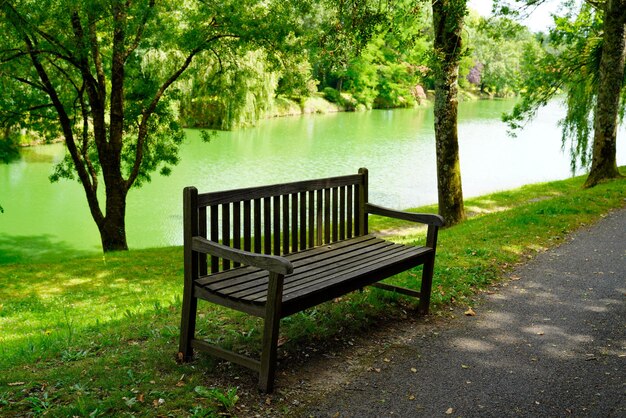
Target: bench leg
{"points": [[187, 326], [268, 356], [270, 333], [427, 284]]}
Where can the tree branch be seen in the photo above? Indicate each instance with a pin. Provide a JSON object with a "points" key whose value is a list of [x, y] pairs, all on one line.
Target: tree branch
{"points": [[140, 29], [147, 112], [66, 126], [92, 86], [95, 54], [65, 74], [85, 140], [31, 83]]}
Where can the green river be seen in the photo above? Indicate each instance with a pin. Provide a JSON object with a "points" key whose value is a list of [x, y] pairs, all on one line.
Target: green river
{"points": [[397, 146]]}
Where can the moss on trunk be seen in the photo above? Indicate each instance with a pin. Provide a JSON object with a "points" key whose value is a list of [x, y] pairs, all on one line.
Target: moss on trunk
{"points": [[604, 164], [448, 25]]}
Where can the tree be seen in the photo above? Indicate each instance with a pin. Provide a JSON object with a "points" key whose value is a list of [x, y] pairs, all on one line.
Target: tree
{"points": [[448, 16], [101, 74], [585, 58], [497, 48], [611, 82]]}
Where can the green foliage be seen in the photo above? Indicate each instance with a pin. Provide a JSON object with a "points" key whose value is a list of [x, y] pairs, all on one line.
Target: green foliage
{"points": [[9, 150], [230, 93], [568, 62], [377, 63], [296, 79], [332, 95], [362, 79], [497, 50], [340, 32], [224, 399]]}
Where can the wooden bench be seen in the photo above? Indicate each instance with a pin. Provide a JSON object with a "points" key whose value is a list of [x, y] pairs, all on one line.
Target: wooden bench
{"points": [[277, 250]]}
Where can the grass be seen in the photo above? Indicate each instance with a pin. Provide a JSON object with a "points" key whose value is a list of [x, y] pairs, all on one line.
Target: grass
{"points": [[97, 336]]}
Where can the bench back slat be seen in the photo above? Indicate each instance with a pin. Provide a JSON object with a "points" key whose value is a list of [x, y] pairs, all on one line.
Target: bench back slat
{"points": [[236, 227], [267, 225], [302, 220], [294, 222], [326, 216], [276, 224], [202, 231], [247, 225], [311, 208], [214, 235], [283, 218], [257, 225], [349, 215]]}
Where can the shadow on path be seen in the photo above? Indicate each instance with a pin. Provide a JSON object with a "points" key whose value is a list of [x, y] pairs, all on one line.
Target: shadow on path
{"points": [[551, 342]]}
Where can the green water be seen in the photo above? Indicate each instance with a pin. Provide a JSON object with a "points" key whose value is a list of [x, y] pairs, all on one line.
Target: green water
{"points": [[397, 147]]}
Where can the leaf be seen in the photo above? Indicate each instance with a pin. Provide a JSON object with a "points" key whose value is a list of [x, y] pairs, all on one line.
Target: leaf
{"points": [[464, 366], [413, 369], [386, 360], [204, 391], [470, 312]]}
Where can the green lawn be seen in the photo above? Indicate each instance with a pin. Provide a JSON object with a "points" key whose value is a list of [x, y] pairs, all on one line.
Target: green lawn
{"points": [[97, 336]]}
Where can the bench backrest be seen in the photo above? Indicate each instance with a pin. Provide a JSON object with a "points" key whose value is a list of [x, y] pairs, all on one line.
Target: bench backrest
{"points": [[278, 219]]}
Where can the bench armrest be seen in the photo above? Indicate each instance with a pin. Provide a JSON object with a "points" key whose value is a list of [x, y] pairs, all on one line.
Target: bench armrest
{"points": [[425, 218], [272, 263]]}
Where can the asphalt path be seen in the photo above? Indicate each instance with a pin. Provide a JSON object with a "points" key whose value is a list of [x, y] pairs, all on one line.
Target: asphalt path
{"points": [[551, 342]]}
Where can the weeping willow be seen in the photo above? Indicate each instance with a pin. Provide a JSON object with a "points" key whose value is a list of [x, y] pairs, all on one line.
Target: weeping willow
{"points": [[231, 93], [567, 65]]}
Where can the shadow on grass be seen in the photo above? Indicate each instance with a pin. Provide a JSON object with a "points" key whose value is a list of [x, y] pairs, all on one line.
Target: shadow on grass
{"points": [[36, 249]]}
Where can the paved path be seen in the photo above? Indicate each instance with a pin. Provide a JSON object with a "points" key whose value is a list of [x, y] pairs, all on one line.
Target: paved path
{"points": [[551, 343]]}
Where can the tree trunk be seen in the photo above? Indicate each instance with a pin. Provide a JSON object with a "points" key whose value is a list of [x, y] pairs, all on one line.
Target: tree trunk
{"points": [[604, 164], [113, 226], [448, 18]]}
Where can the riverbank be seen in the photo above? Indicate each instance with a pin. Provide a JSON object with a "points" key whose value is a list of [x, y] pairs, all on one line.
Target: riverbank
{"points": [[284, 107], [322, 103], [102, 331]]}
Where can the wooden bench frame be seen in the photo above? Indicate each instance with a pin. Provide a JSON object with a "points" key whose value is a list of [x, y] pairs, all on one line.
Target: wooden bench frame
{"points": [[326, 253]]}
